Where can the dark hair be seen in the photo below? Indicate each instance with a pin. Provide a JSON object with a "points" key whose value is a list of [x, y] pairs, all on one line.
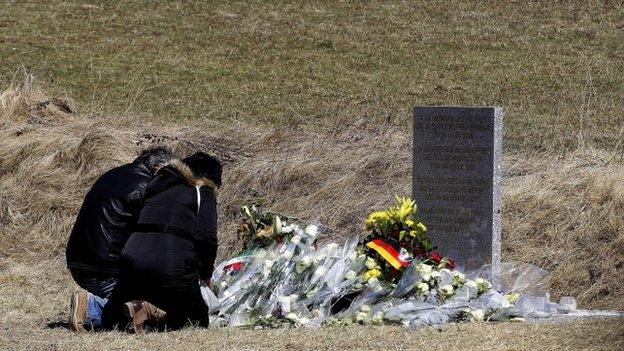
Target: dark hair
{"points": [[156, 157], [205, 166]]}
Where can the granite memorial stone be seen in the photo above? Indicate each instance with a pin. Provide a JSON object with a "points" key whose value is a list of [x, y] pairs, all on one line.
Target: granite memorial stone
{"points": [[456, 181]]}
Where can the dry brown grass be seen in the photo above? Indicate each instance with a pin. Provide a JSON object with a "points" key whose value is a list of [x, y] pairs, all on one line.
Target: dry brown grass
{"points": [[561, 213]]}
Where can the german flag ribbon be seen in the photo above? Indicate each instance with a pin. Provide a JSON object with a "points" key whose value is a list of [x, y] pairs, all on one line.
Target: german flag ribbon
{"points": [[389, 253]]}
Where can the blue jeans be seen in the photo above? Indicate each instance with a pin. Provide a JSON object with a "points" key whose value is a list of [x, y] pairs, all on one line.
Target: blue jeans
{"points": [[99, 287], [95, 304]]}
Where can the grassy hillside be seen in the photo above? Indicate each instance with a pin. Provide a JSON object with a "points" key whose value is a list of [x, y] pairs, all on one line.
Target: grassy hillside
{"points": [[308, 105], [556, 68]]}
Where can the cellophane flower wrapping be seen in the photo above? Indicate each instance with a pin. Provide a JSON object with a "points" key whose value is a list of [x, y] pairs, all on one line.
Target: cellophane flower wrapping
{"points": [[281, 278]]}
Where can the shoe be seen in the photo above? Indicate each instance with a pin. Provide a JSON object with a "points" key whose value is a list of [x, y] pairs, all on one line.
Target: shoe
{"points": [[78, 310], [140, 312]]}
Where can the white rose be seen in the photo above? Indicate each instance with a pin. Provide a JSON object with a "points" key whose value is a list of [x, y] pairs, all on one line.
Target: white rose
{"points": [[360, 316], [370, 263], [435, 274], [459, 275], [365, 308], [312, 230], [446, 289], [423, 268], [295, 239]]}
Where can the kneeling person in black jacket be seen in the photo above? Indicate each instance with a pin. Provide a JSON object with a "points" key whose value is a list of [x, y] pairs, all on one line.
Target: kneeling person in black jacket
{"points": [[172, 250], [105, 221]]}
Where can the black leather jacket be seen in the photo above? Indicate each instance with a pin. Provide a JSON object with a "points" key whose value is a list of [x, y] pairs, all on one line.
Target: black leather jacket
{"points": [[107, 218]]}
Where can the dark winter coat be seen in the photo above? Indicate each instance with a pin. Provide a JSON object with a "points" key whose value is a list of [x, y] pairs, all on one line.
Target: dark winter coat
{"points": [[174, 246], [106, 219]]}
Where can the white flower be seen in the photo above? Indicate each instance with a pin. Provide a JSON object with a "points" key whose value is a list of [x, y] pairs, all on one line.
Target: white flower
{"points": [[459, 275], [374, 284], [350, 275], [477, 315], [289, 228], [423, 268], [446, 289], [422, 287], [361, 316], [370, 263], [295, 239], [365, 308], [312, 230], [223, 284], [292, 316], [435, 274], [306, 260], [377, 318]]}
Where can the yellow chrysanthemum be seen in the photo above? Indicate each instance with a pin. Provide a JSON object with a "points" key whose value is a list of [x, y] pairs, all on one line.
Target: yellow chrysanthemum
{"points": [[372, 273], [377, 216]]}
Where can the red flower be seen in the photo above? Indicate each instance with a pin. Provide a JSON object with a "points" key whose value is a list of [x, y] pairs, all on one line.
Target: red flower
{"points": [[450, 264], [435, 257]]}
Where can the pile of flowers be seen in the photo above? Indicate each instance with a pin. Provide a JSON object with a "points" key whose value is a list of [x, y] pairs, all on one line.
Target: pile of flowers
{"points": [[393, 276]]}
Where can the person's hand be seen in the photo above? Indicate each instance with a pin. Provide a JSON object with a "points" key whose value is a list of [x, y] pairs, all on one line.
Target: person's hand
{"points": [[206, 282]]}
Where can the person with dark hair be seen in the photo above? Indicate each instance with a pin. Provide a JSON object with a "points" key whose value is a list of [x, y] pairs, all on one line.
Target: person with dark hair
{"points": [[172, 250], [106, 219]]}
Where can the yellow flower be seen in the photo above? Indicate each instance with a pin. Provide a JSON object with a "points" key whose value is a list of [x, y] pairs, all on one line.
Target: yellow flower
{"points": [[406, 207], [377, 217], [421, 226], [372, 273], [409, 222]]}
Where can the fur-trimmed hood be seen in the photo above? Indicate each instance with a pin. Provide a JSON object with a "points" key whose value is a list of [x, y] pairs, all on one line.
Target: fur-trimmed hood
{"points": [[188, 175]]}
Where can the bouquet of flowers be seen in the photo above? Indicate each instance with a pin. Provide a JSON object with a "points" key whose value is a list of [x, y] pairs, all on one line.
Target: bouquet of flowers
{"points": [[392, 276], [397, 236]]}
